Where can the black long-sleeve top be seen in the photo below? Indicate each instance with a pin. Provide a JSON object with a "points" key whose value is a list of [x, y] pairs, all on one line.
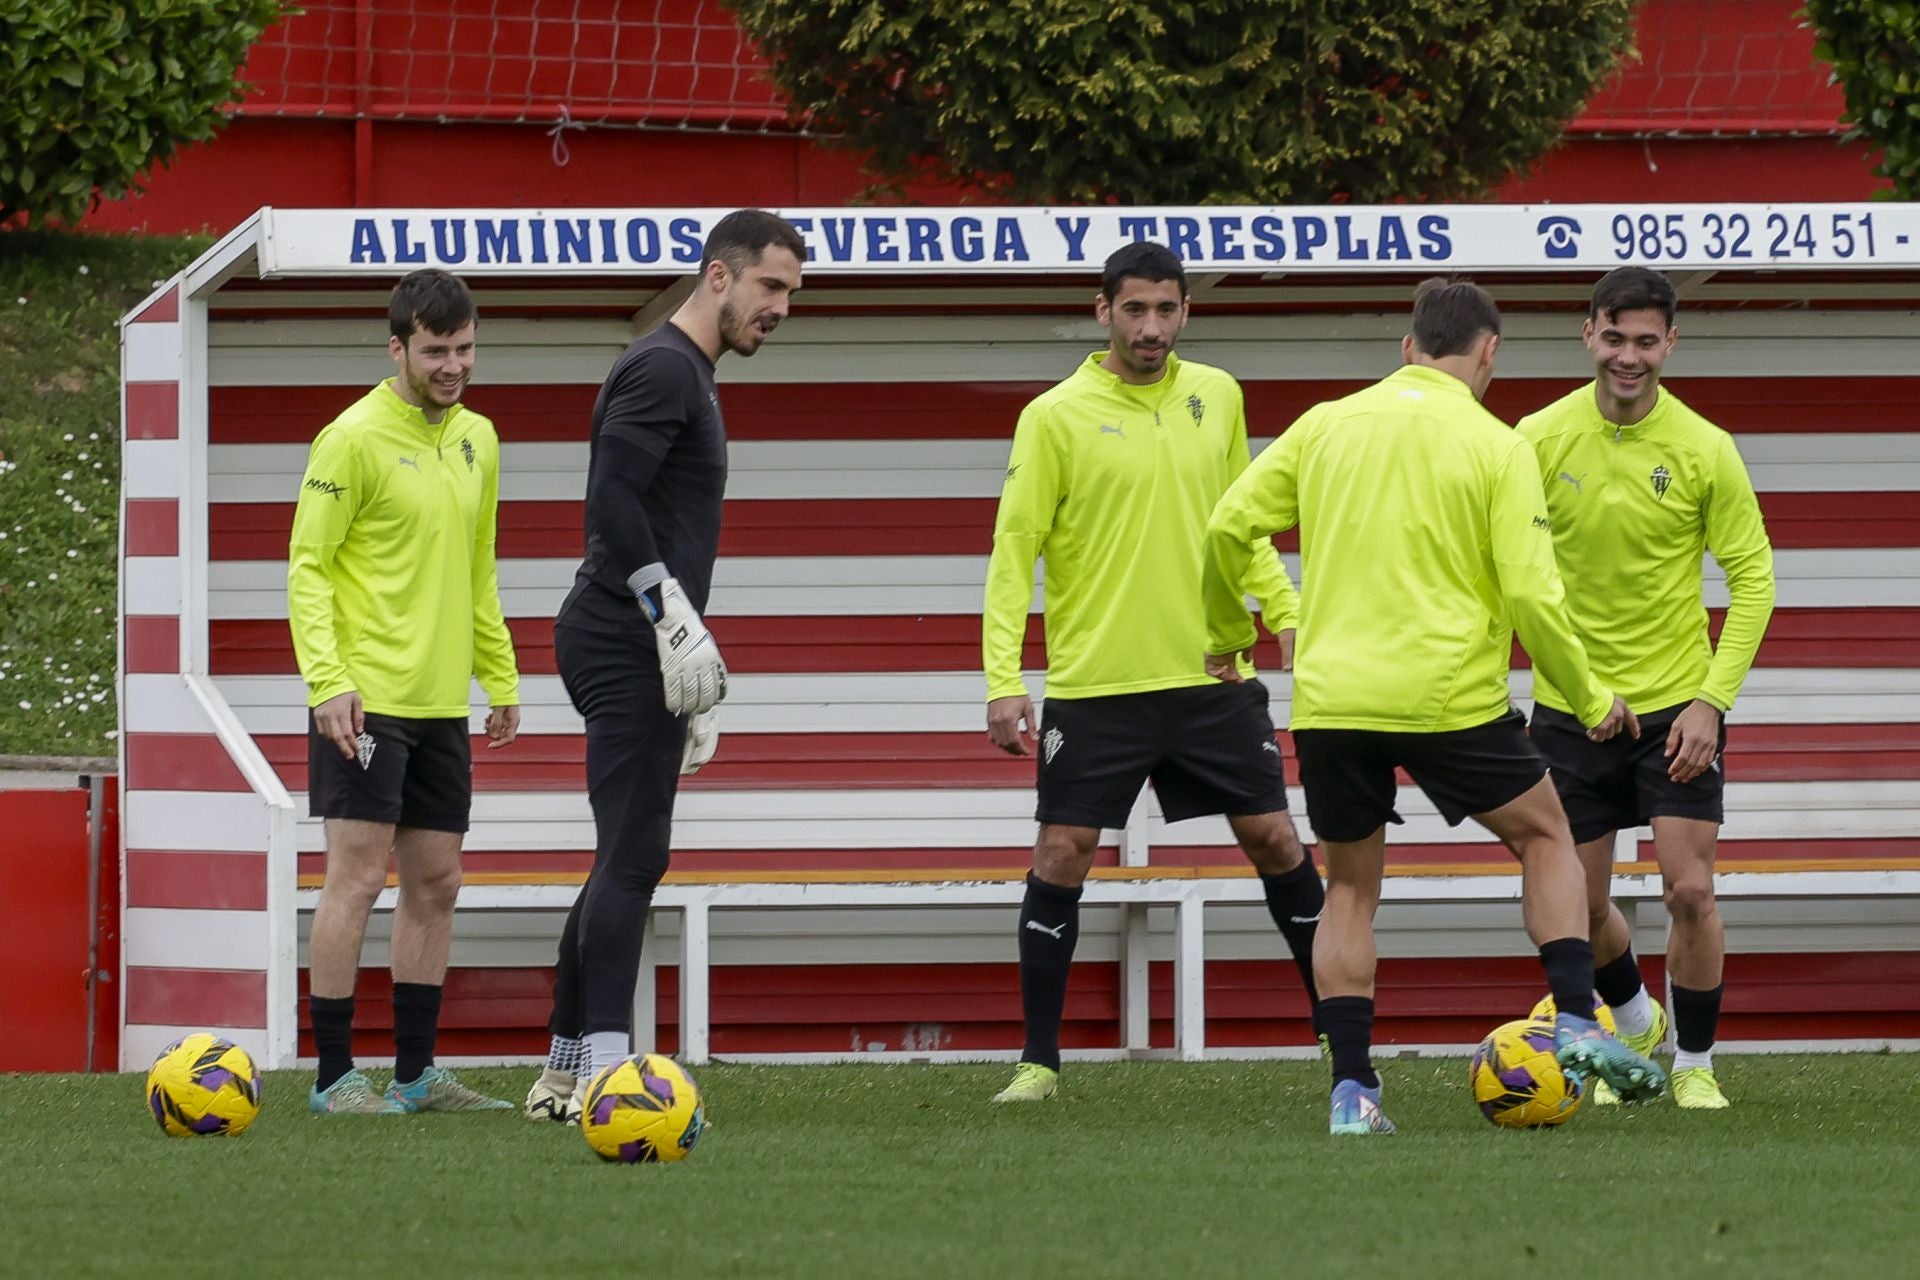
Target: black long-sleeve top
{"points": [[656, 475]]}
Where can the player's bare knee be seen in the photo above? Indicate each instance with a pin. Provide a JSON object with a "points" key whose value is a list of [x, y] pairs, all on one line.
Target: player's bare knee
{"points": [[1689, 900], [355, 885], [1268, 841], [435, 890], [1536, 847], [1350, 897], [1064, 856], [1274, 851]]}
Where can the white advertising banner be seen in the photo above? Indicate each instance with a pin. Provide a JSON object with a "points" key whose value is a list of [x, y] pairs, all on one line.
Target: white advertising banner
{"points": [[959, 241]]}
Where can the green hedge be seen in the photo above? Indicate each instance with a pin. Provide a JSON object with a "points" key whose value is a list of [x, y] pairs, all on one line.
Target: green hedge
{"points": [[1874, 48], [1146, 101], [93, 93], [61, 298]]}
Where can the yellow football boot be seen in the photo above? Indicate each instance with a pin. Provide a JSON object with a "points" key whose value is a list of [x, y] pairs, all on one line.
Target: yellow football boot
{"points": [[1695, 1089]]}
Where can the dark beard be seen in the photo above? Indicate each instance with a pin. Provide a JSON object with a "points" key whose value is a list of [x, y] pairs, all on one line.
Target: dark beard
{"points": [[731, 330]]}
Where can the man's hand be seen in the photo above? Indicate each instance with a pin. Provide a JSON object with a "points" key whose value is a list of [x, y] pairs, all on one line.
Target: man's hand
{"points": [[702, 740], [1618, 719], [1693, 744], [1286, 648], [1010, 723], [341, 720], [1224, 666], [690, 665], [503, 726]]}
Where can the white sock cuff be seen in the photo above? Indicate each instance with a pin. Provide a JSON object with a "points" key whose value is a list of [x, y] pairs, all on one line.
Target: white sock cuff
{"points": [[1636, 1015], [604, 1049]]}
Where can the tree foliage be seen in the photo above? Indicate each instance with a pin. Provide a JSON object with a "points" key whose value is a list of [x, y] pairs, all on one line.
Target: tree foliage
{"points": [[1874, 49], [1193, 101], [92, 93]]}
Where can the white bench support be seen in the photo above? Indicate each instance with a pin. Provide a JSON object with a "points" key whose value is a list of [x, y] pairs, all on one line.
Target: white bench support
{"points": [[695, 970], [1190, 978], [646, 998], [1136, 988], [1136, 1022]]}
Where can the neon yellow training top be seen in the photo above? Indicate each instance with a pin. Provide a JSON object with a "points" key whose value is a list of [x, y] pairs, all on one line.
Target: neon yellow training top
{"points": [[1424, 542], [1112, 484], [1634, 507], [391, 586]]}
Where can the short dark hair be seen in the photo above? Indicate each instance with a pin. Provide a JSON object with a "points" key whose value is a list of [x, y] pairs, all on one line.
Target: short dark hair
{"points": [[429, 301], [1141, 260], [743, 235], [1449, 315], [1633, 289]]}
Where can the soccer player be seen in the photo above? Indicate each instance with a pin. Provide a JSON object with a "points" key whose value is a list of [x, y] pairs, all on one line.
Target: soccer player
{"points": [[636, 659], [1111, 478], [395, 607], [1424, 543], [1638, 486]]}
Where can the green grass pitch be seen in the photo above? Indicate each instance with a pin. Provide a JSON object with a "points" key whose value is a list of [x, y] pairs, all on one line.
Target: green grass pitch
{"points": [[1147, 1169]]}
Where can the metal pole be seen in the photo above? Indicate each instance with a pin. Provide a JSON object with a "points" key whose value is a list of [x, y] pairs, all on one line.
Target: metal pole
{"points": [[96, 814]]}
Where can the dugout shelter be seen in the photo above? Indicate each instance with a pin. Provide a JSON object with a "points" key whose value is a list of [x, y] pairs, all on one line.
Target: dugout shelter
{"points": [[847, 870]]}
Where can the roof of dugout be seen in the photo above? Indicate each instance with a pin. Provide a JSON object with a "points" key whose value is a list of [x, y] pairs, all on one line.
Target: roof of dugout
{"points": [[1329, 254]]}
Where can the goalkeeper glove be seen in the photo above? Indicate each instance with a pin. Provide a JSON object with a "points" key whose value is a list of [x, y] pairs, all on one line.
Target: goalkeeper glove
{"points": [[690, 666], [703, 737]]}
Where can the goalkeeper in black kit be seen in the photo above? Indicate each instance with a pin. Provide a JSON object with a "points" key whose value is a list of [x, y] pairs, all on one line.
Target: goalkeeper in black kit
{"points": [[638, 663]]}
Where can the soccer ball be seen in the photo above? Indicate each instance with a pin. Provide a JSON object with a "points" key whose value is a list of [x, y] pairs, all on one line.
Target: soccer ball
{"points": [[201, 1084], [1546, 1010], [1517, 1081], [645, 1110]]}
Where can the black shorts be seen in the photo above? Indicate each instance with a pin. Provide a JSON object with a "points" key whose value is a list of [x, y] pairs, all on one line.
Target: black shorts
{"points": [[413, 773], [1350, 785], [1208, 749], [1622, 783]]}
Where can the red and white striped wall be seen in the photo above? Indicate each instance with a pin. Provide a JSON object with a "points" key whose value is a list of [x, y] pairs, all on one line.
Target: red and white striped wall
{"points": [[847, 598], [869, 438], [208, 929]]}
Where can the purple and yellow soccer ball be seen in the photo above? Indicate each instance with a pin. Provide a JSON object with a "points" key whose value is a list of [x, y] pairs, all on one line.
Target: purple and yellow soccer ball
{"points": [[644, 1110], [201, 1085], [1518, 1082]]}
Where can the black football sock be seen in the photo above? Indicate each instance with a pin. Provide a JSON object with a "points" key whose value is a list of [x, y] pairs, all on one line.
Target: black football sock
{"points": [[416, 1023], [1618, 980], [1569, 966], [332, 1037], [1049, 931], [1294, 900], [1696, 1018], [1347, 1022]]}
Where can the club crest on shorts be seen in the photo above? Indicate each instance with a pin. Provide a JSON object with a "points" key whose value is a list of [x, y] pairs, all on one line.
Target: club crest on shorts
{"points": [[366, 744], [1051, 743], [1661, 479]]}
